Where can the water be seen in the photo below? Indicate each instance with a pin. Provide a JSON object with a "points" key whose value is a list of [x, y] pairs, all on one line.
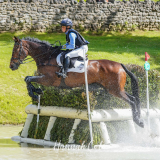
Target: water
{"points": [[141, 148]]}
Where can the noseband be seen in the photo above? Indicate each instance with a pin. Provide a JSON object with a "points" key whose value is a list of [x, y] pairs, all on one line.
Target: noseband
{"points": [[20, 53]]}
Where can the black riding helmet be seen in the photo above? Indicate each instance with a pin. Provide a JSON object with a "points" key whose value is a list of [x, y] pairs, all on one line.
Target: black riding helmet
{"points": [[66, 22]]}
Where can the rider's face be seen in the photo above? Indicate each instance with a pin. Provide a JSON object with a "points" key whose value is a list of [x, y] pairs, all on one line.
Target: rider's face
{"points": [[63, 28]]}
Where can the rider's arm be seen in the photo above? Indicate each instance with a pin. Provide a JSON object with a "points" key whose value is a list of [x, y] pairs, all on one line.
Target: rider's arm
{"points": [[72, 37]]}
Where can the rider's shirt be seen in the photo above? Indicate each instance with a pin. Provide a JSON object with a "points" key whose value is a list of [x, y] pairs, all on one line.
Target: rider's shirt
{"points": [[74, 40], [71, 44]]}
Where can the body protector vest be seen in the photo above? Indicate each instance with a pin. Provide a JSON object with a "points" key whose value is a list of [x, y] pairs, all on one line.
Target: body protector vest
{"points": [[79, 41]]}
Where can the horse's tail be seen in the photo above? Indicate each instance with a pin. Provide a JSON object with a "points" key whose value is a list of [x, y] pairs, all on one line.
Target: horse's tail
{"points": [[134, 86]]}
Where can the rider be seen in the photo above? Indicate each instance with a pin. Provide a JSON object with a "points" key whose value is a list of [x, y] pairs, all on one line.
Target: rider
{"points": [[75, 43]]}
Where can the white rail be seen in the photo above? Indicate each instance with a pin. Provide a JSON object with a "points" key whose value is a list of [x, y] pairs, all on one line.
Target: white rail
{"points": [[98, 115]]}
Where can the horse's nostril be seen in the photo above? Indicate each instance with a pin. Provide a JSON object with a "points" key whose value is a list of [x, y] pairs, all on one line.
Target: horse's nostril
{"points": [[12, 66]]}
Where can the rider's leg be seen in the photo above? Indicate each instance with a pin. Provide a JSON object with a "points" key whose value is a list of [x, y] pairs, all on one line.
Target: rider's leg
{"points": [[66, 66], [84, 50], [66, 63], [75, 53]]}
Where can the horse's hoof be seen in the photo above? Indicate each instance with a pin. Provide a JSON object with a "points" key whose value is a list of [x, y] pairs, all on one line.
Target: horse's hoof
{"points": [[139, 122]]}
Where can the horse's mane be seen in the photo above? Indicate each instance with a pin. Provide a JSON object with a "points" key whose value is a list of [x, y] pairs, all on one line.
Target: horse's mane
{"points": [[36, 40], [45, 45]]}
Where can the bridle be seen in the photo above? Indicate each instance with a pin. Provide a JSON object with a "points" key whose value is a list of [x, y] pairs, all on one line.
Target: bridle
{"points": [[21, 61], [20, 53]]}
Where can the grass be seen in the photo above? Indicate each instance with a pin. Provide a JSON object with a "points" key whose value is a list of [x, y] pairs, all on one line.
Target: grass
{"points": [[127, 47]]}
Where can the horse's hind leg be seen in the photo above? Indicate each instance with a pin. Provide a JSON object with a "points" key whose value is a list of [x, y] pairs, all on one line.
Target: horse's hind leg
{"points": [[137, 102], [131, 100]]}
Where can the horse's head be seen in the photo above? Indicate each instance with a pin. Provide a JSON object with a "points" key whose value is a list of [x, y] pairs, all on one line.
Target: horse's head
{"points": [[18, 54]]}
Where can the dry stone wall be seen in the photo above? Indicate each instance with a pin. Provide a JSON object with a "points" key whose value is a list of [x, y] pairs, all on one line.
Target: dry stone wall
{"points": [[45, 15]]}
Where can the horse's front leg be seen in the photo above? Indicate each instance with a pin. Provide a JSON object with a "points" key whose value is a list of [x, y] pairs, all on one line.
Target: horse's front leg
{"points": [[31, 89], [36, 79]]}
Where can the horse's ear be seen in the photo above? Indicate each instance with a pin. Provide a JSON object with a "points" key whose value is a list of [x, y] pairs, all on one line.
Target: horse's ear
{"points": [[16, 39]]}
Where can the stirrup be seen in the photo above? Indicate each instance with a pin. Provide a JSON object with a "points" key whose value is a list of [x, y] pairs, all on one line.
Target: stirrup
{"points": [[61, 74]]}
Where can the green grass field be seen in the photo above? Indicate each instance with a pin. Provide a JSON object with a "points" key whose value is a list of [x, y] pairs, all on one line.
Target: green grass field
{"points": [[127, 47]]}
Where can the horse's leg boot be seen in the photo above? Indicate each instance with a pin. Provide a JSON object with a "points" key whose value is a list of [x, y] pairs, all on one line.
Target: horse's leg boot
{"points": [[38, 91], [30, 92]]}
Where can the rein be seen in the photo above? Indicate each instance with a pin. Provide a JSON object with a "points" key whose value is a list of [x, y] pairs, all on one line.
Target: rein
{"points": [[48, 64], [44, 53], [42, 64]]}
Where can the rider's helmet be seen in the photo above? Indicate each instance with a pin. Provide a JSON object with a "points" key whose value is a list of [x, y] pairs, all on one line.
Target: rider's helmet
{"points": [[66, 22]]}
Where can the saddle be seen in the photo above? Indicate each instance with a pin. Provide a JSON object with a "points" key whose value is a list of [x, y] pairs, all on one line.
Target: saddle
{"points": [[76, 63]]}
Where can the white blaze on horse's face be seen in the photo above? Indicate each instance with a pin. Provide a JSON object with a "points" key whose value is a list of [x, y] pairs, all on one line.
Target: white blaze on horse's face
{"points": [[16, 58]]}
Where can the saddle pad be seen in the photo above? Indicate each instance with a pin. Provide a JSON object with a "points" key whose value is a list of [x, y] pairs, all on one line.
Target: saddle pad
{"points": [[78, 64]]}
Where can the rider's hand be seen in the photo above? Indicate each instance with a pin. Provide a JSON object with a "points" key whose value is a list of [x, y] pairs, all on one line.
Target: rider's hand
{"points": [[64, 46]]}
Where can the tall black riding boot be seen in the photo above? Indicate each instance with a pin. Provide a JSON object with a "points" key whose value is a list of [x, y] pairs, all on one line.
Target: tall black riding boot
{"points": [[66, 66]]}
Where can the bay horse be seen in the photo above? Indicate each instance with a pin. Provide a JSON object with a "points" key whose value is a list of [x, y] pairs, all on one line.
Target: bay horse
{"points": [[111, 75]]}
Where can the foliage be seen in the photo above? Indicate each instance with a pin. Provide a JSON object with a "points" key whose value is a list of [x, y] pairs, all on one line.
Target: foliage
{"points": [[82, 133], [61, 130], [154, 85], [38, 133], [74, 98]]}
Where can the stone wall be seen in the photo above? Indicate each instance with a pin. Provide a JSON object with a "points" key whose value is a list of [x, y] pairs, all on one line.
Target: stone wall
{"points": [[45, 15]]}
